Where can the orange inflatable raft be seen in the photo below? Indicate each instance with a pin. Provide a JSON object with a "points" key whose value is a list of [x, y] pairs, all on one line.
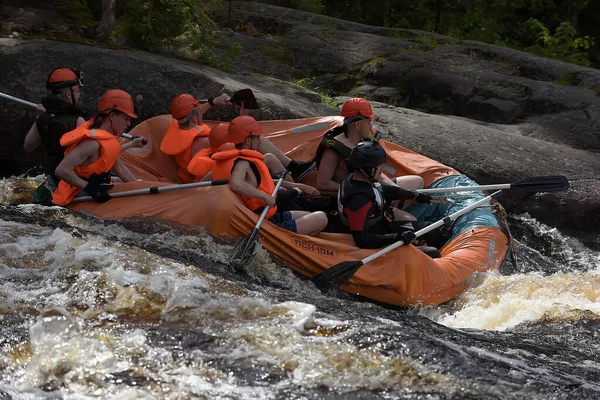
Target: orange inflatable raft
{"points": [[402, 277]]}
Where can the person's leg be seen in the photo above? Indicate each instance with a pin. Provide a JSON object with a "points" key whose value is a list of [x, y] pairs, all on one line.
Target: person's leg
{"points": [[400, 215], [309, 223], [266, 146], [298, 169], [275, 166], [411, 182]]}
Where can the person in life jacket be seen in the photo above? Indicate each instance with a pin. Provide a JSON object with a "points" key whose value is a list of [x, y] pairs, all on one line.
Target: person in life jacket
{"points": [[333, 154], [202, 164], [250, 176], [187, 135], [197, 168], [60, 114], [93, 150], [364, 203]]}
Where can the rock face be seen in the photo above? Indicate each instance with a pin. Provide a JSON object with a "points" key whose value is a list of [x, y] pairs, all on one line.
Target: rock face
{"points": [[551, 100], [26, 65], [506, 116]]}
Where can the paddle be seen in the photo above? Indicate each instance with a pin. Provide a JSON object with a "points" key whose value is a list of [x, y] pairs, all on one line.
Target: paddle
{"points": [[342, 272], [33, 105], [245, 96], [156, 190], [547, 183], [244, 250]]}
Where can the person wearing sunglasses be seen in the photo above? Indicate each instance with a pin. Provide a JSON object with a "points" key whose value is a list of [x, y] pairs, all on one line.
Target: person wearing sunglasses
{"points": [[60, 114]]}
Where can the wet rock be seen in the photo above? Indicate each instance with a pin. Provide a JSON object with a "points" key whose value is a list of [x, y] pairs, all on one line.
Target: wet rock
{"points": [[429, 72], [23, 74]]}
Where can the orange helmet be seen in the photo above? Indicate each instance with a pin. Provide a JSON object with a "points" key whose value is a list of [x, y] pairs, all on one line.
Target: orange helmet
{"points": [[357, 106], [116, 99], [226, 146], [242, 127], [219, 135], [183, 104], [62, 78]]}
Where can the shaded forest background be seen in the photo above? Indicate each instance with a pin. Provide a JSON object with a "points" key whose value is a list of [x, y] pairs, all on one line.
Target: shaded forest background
{"points": [[565, 30], [559, 29]]}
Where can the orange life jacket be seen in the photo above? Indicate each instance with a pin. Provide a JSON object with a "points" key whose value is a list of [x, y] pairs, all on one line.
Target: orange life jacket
{"points": [[110, 148], [178, 143], [201, 164], [224, 162]]}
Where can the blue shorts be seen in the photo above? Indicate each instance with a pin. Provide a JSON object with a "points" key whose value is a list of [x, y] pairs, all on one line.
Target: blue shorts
{"points": [[284, 220]]}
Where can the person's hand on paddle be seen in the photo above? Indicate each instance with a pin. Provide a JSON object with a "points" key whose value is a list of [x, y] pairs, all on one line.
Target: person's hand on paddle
{"points": [[423, 198], [138, 142], [308, 190], [98, 193], [222, 100], [40, 109], [407, 237], [270, 200]]}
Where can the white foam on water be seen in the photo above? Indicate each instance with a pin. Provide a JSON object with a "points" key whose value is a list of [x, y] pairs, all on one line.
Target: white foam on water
{"points": [[503, 302], [95, 282]]}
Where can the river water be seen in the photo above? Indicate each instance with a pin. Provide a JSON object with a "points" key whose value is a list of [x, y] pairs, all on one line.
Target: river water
{"points": [[100, 309]]}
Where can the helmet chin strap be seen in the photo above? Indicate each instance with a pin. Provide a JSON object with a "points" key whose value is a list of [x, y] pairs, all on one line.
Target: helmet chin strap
{"points": [[369, 176]]}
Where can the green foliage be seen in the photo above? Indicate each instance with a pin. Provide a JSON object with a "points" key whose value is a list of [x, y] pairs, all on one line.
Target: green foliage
{"points": [[76, 10], [308, 83], [151, 24], [565, 29], [159, 24], [276, 51], [429, 42], [563, 45], [567, 79]]}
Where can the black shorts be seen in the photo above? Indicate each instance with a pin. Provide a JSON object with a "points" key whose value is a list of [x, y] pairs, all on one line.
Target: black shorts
{"points": [[284, 220]]}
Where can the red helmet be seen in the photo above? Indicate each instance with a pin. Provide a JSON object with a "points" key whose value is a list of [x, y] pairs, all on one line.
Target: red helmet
{"points": [[242, 127], [218, 135], [357, 106], [182, 105], [116, 99], [62, 78]]}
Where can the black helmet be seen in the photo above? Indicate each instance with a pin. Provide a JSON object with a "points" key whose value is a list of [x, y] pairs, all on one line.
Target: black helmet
{"points": [[367, 156]]}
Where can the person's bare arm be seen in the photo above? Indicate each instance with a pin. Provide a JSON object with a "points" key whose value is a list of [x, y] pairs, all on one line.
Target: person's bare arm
{"points": [[326, 172], [137, 142], [222, 100], [123, 172], [88, 150], [32, 139], [80, 121], [308, 190], [239, 184]]}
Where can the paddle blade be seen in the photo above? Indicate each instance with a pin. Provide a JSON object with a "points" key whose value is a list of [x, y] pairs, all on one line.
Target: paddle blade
{"points": [[548, 183], [247, 97], [336, 275], [243, 252]]}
